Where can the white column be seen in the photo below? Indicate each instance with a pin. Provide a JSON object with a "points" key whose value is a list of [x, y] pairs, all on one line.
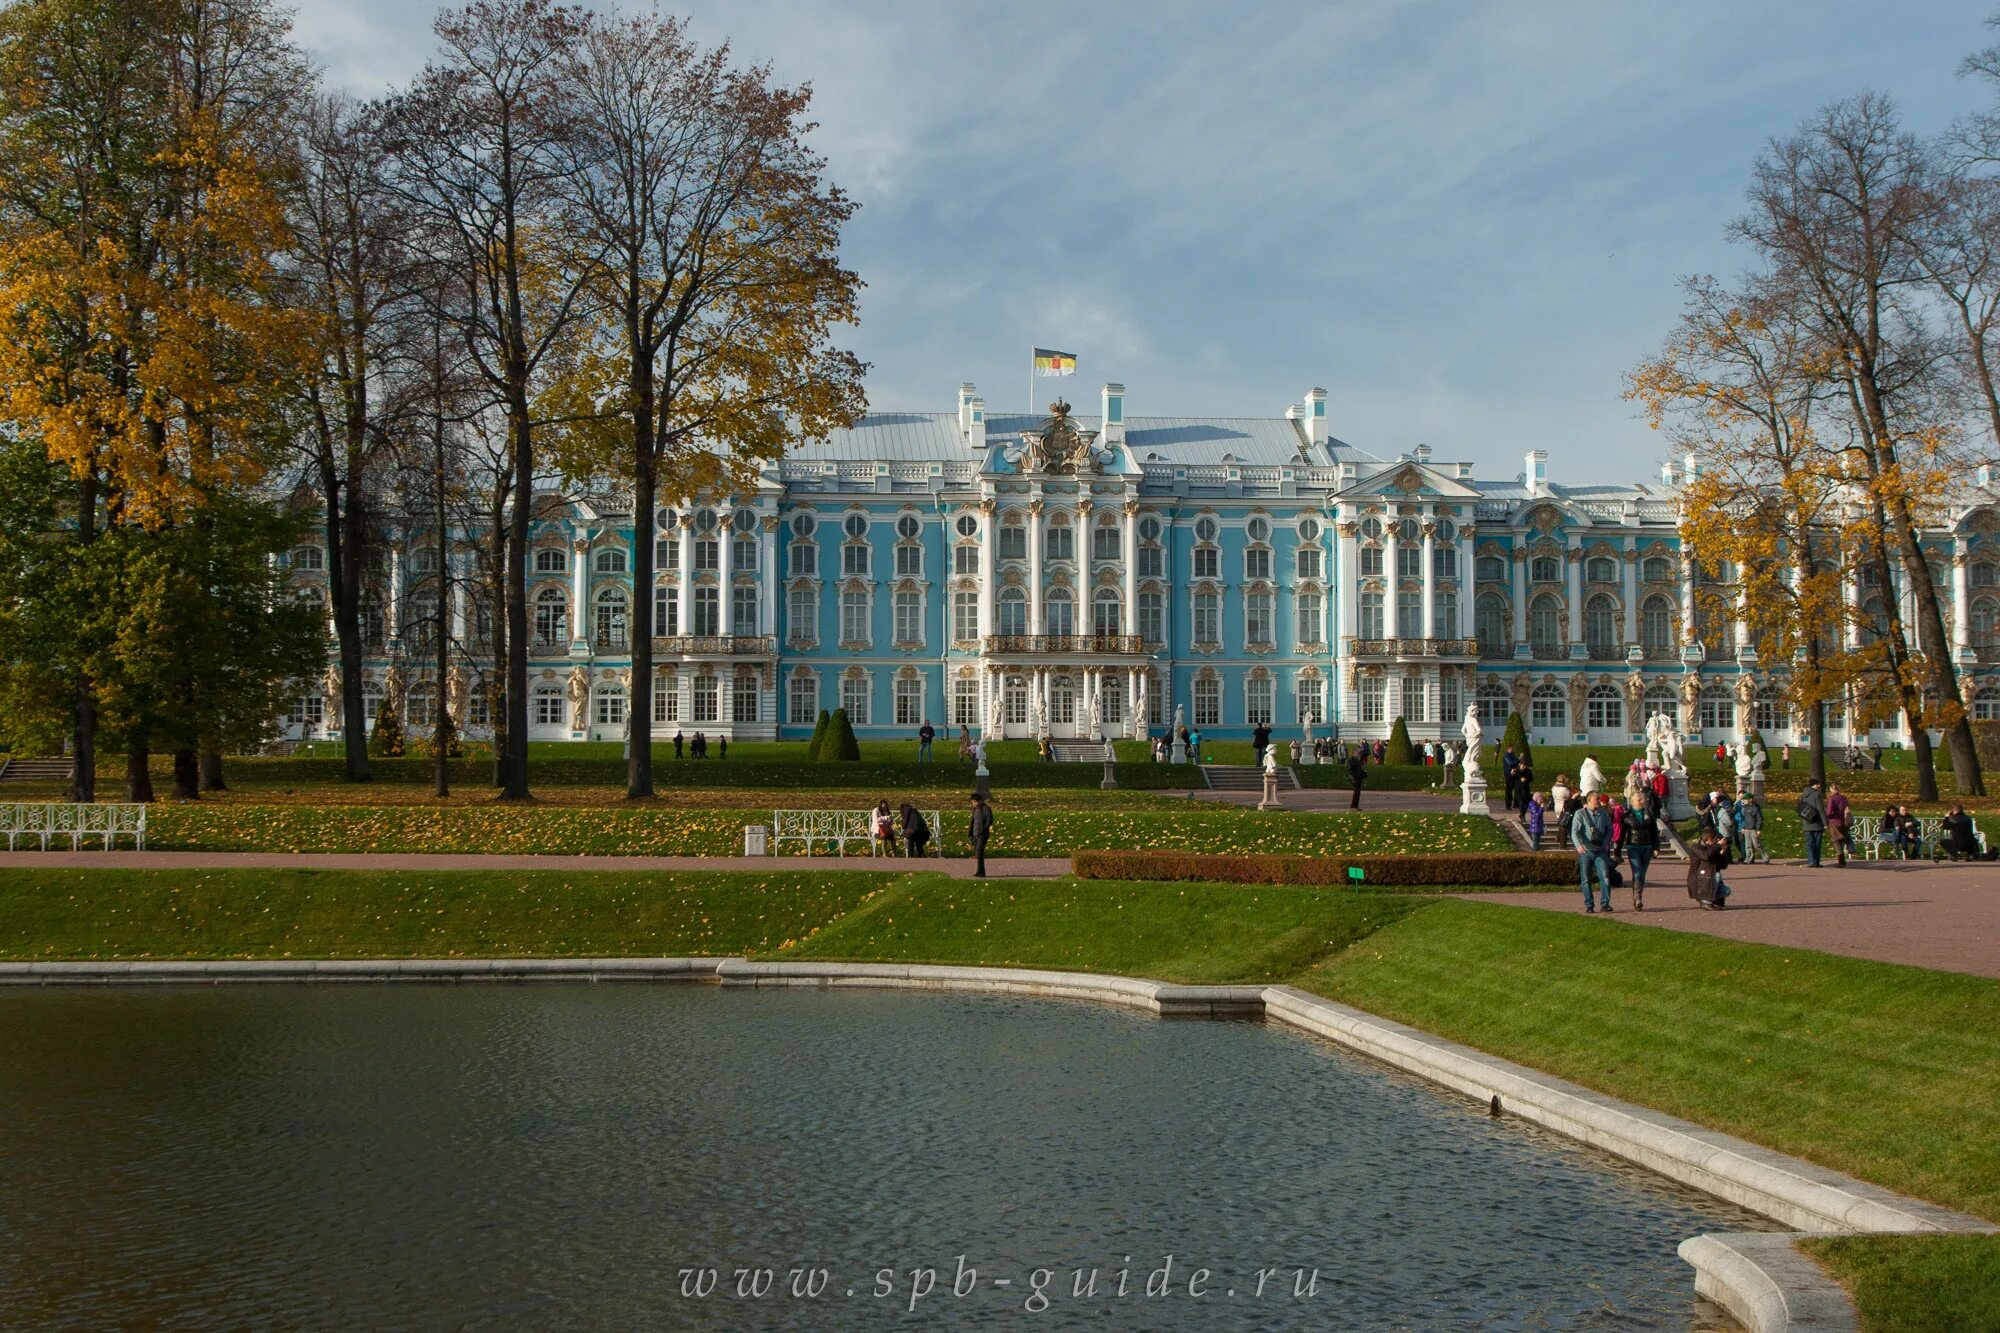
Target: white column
{"points": [[579, 582], [987, 536], [1573, 558], [1961, 628], [1346, 586], [455, 590], [1084, 590], [1467, 591], [1631, 558], [1850, 597], [1687, 595], [395, 626], [1520, 593], [1743, 644], [1390, 541], [767, 573], [684, 595], [1429, 627], [1129, 623], [1036, 622], [725, 567]]}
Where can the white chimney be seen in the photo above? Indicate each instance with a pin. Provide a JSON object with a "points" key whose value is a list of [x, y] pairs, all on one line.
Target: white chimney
{"points": [[1112, 414], [1536, 474], [1422, 453], [966, 393], [1465, 472], [1670, 472], [1693, 468], [975, 421], [1984, 477], [1316, 415]]}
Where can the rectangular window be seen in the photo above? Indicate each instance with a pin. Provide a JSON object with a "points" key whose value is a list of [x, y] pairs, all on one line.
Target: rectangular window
{"points": [[479, 707], [909, 618], [743, 605], [1013, 612], [804, 617], [1152, 562], [965, 616], [909, 702], [312, 710], [1409, 561], [1013, 544], [1451, 705], [1257, 563], [666, 611], [1059, 543], [1413, 699], [854, 618], [804, 699], [1207, 562], [1104, 544], [667, 555], [1309, 562], [1371, 698], [1310, 618], [743, 555], [1371, 561], [1207, 619], [854, 559], [1152, 617], [909, 561], [854, 693], [743, 699], [965, 702], [1259, 700], [965, 561], [708, 610], [667, 698], [1257, 629], [705, 698], [805, 559], [1208, 702], [1444, 562], [1310, 694], [548, 708], [707, 553]]}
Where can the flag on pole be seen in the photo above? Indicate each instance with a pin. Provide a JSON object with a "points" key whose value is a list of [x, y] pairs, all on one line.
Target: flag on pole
{"points": [[1054, 363]]}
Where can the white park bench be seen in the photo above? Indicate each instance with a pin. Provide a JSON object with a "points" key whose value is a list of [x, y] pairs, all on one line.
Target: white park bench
{"points": [[837, 828], [81, 824], [1869, 841]]}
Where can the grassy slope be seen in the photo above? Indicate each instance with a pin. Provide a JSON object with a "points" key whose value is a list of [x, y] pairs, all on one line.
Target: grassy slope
{"points": [[1916, 1284]]}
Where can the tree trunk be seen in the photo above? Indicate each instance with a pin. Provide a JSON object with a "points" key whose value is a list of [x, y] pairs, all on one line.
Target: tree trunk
{"points": [[138, 777], [441, 699], [187, 774], [639, 721], [515, 780], [211, 769], [344, 550], [1816, 744]]}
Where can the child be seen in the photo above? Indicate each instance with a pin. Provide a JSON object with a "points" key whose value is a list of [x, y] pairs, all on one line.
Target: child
{"points": [[1537, 816]]}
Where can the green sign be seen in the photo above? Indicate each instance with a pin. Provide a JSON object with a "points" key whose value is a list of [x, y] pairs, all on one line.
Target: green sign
{"points": [[1356, 874]]}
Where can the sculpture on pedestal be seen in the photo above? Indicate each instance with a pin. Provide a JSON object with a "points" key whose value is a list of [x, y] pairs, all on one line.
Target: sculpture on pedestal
{"points": [[1180, 734], [1473, 785]]}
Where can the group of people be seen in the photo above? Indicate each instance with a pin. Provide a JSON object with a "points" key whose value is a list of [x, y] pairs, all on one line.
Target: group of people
{"points": [[1828, 814], [698, 747], [906, 831]]}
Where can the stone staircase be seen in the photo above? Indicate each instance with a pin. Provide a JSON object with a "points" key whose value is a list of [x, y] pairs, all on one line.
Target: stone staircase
{"points": [[1077, 752], [1245, 777], [36, 770]]}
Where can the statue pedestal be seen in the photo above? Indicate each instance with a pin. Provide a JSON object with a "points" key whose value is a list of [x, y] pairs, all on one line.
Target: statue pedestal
{"points": [[1677, 804], [1757, 787], [1270, 801], [1110, 778], [1180, 750], [1475, 798]]}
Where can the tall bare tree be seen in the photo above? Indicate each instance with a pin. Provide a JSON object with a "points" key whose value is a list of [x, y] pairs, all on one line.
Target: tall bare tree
{"points": [[718, 282], [480, 144]]}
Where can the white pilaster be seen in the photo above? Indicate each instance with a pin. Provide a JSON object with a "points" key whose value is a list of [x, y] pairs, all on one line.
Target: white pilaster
{"points": [[767, 575], [1392, 578], [1961, 595], [1037, 622], [1129, 623], [725, 576], [684, 593], [579, 595], [1429, 627], [1466, 588], [1573, 558], [1520, 595], [395, 627], [988, 534], [1631, 560]]}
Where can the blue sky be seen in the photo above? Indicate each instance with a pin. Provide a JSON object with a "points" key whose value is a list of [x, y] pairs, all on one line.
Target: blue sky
{"points": [[1465, 221]]}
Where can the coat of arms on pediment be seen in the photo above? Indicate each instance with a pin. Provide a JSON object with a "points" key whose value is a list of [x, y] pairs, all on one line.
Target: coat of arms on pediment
{"points": [[1059, 447]]}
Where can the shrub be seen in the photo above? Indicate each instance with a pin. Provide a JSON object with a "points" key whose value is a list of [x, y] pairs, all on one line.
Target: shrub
{"points": [[1516, 735], [816, 748], [1400, 750], [1440, 868], [385, 741], [840, 744]]}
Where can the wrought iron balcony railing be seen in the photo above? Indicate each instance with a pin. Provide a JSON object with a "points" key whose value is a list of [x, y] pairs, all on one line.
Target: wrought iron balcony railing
{"points": [[716, 645], [1413, 647], [1092, 644]]}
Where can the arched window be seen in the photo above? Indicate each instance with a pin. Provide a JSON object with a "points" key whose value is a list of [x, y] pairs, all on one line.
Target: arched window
{"points": [[1545, 627], [1013, 611], [1985, 622], [610, 560], [610, 623], [1660, 699], [1061, 612], [1656, 626], [417, 708], [1107, 613], [551, 618], [609, 705], [1062, 701], [310, 594], [1545, 569], [1600, 569], [1656, 569], [1764, 714], [1986, 706], [1600, 628], [1604, 708], [1489, 625], [420, 620], [551, 560], [1309, 696], [545, 705], [371, 702], [1548, 710], [909, 701], [308, 558], [1489, 569], [1493, 705]]}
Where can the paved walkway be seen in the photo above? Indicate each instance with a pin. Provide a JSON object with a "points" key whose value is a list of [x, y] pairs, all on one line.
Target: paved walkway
{"points": [[1020, 867], [1941, 916]]}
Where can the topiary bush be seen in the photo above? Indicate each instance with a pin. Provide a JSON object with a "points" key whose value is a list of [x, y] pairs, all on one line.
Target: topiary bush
{"points": [[1399, 751], [1516, 735], [840, 745], [817, 746], [385, 740]]}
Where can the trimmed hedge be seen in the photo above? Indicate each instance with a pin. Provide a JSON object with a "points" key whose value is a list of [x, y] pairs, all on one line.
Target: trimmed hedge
{"points": [[1506, 869]]}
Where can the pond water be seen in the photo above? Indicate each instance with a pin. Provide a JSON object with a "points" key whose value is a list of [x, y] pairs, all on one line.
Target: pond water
{"points": [[491, 1156]]}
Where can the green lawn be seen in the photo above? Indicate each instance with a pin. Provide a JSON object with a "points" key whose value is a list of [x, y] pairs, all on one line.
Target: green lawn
{"points": [[1045, 829], [1916, 1284]]}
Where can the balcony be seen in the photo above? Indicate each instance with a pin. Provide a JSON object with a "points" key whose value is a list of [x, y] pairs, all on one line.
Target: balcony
{"points": [[1081, 645], [1413, 647], [546, 647], [716, 645]]}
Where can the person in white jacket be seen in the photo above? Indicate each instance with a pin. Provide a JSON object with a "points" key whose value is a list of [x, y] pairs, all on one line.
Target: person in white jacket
{"points": [[1589, 778]]}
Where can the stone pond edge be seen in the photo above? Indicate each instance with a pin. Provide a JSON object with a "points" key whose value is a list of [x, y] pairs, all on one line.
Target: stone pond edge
{"points": [[1759, 1278]]}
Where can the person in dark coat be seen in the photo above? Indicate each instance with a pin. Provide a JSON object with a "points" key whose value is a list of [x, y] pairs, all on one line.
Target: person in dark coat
{"points": [[916, 830], [1259, 739], [1706, 860], [1524, 784], [1960, 840], [679, 741], [1510, 764], [1642, 840], [1357, 774], [978, 831]]}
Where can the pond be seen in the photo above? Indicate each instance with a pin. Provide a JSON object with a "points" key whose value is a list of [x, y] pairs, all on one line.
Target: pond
{"points": [[529, 1156]]}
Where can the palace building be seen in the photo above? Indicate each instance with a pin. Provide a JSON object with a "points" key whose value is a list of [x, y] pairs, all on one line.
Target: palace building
{"points": [[974, 569]]}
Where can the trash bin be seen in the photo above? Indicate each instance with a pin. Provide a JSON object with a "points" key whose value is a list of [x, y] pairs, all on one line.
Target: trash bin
{"points": [[756, 840]]}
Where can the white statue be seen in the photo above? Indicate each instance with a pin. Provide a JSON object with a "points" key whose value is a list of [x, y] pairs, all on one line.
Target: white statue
{"points": [[579, 698], [996, 717], [1472, 732], [1180, 719], [1742, 751], [1271, 761], [1038, 718], [1673, 756], [1759, 758], [979, 758], [1141, 712], [1097, 715]]}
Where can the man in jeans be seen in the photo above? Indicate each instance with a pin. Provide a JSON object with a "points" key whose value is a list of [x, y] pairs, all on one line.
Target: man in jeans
{"points": [[1590, 834], [925, 735], [1750, 828], [1812, 820]]}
